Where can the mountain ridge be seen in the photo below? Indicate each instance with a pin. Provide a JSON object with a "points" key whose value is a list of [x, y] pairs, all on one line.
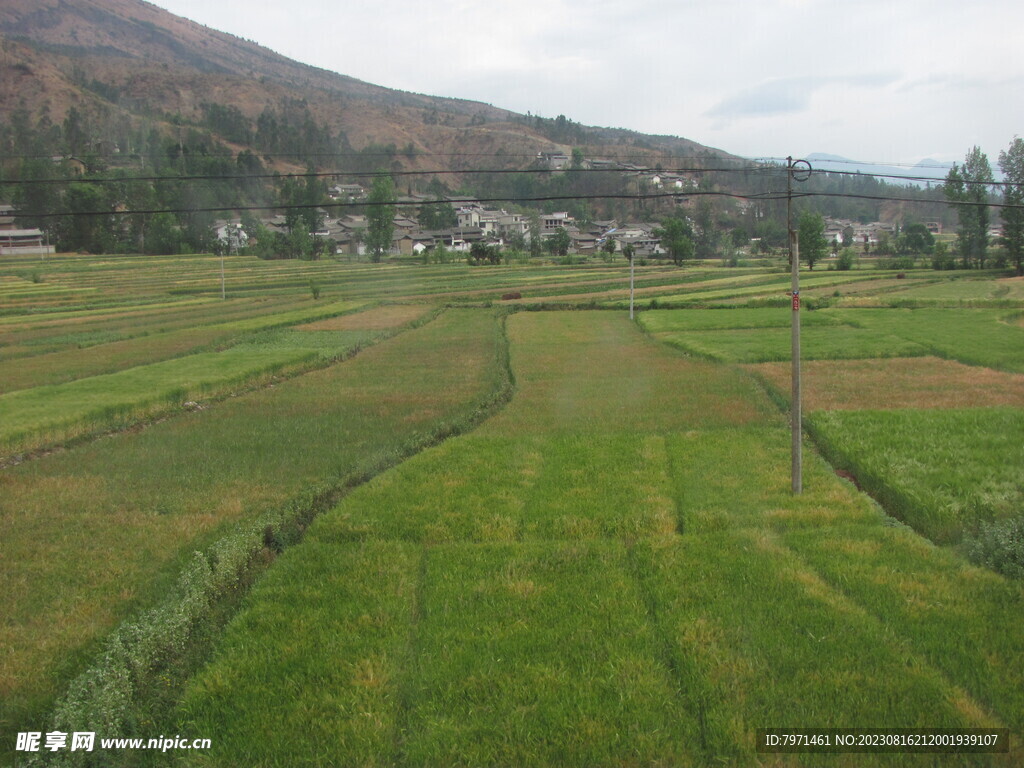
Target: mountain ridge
{"points": [[130, 60], [925, 172]]}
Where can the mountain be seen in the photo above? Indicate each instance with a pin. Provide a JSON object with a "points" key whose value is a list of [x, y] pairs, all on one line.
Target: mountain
{"points": [[924, 172], [119, 64]]}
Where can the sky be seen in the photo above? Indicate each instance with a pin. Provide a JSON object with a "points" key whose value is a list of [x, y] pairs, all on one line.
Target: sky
{"points": [[885, 81]]}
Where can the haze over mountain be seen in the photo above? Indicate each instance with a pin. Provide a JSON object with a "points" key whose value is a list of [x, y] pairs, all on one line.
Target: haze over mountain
{"points": [[924, 172], [127, 60]]}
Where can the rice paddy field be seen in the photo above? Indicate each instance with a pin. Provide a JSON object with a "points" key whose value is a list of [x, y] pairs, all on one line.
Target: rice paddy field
{"points": [[439, 528]]}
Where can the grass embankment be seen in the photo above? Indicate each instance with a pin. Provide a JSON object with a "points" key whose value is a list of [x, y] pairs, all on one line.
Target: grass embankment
{"points": [[92, 534], [611, 571]]}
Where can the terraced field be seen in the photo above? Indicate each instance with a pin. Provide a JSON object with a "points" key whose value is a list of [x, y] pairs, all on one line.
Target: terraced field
{"points": [[94, 533], [611, 571], [608, 570]]}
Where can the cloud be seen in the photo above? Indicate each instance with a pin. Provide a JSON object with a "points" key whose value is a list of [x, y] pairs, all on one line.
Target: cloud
{"points": [[788, 95], [956, 81]]}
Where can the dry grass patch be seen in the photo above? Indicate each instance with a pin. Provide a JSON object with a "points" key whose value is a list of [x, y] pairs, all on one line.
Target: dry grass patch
{"points": [[923, 382]]}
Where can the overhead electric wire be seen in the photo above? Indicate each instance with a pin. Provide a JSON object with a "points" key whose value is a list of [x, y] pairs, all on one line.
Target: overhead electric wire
{"points": [[472, 171], [757, 197], [366, 174]]}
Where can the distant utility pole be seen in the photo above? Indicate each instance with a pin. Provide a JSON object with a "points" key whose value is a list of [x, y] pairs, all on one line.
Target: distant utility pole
{"points": [[799, 170], [630, 286]]}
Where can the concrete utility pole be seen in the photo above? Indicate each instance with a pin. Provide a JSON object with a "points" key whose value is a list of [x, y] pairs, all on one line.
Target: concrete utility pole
{"points": [[800, 170], [630, 286]]}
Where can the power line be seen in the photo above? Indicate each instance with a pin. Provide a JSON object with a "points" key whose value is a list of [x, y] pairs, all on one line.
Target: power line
{"points": [[370, 174], [476, 171], [754, 197], [884, 163]]}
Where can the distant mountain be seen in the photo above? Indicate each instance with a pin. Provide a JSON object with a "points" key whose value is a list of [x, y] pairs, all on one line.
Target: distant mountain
{"points": [[921, 174], [121, 64]]}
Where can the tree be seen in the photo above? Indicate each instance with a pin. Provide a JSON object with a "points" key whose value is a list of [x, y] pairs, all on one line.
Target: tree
{"points": [[966, 189], [608, 247], [312, 196], [1012, 165], [915, 239], [484, 253], [380, 217], [813, 244], [534, 232], [86, 231], [517, 241], [677, 238], [438, 216], [705, 238], [558, 244]]}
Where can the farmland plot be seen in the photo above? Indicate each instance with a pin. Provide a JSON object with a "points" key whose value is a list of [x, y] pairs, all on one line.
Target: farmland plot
{"points": [[937, 441], [611, 571], [93, 533], [48, 414]]}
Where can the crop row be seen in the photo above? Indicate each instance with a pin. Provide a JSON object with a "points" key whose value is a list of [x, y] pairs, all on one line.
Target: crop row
{"points": [[610, 571], [972, 336], [96, 532]]}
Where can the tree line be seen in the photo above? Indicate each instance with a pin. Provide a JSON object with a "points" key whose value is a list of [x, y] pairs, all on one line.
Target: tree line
{"points": [[967, 189]]}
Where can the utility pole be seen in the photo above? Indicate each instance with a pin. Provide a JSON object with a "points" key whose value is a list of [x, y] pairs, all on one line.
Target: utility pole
{"points": [[800, 170], [630, 282]]}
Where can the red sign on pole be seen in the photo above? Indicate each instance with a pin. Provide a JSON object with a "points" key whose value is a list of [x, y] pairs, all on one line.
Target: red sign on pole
{"points": [[796, 302]]}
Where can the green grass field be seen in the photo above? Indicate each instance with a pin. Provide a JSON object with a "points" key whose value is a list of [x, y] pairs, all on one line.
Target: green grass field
{"points": [[763, 335], [90, 534], [594, 577], [942, 471], [610, 570], [45, 415], [972, 336]]}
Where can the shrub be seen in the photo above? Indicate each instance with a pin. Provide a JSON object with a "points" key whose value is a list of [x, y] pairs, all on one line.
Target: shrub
{"points": [[999, 546], [844, 262], [898, 263]]}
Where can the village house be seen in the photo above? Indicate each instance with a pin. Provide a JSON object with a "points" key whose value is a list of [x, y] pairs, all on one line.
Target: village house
{"points": [[583, 243], [24, 241], [671, 181], [554, 161], [549, 222], [231, 234], [347, 192]]}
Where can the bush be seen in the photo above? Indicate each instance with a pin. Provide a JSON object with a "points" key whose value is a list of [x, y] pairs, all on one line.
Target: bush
{"points": [[844, 262], [898, 263], [999, 546]]}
